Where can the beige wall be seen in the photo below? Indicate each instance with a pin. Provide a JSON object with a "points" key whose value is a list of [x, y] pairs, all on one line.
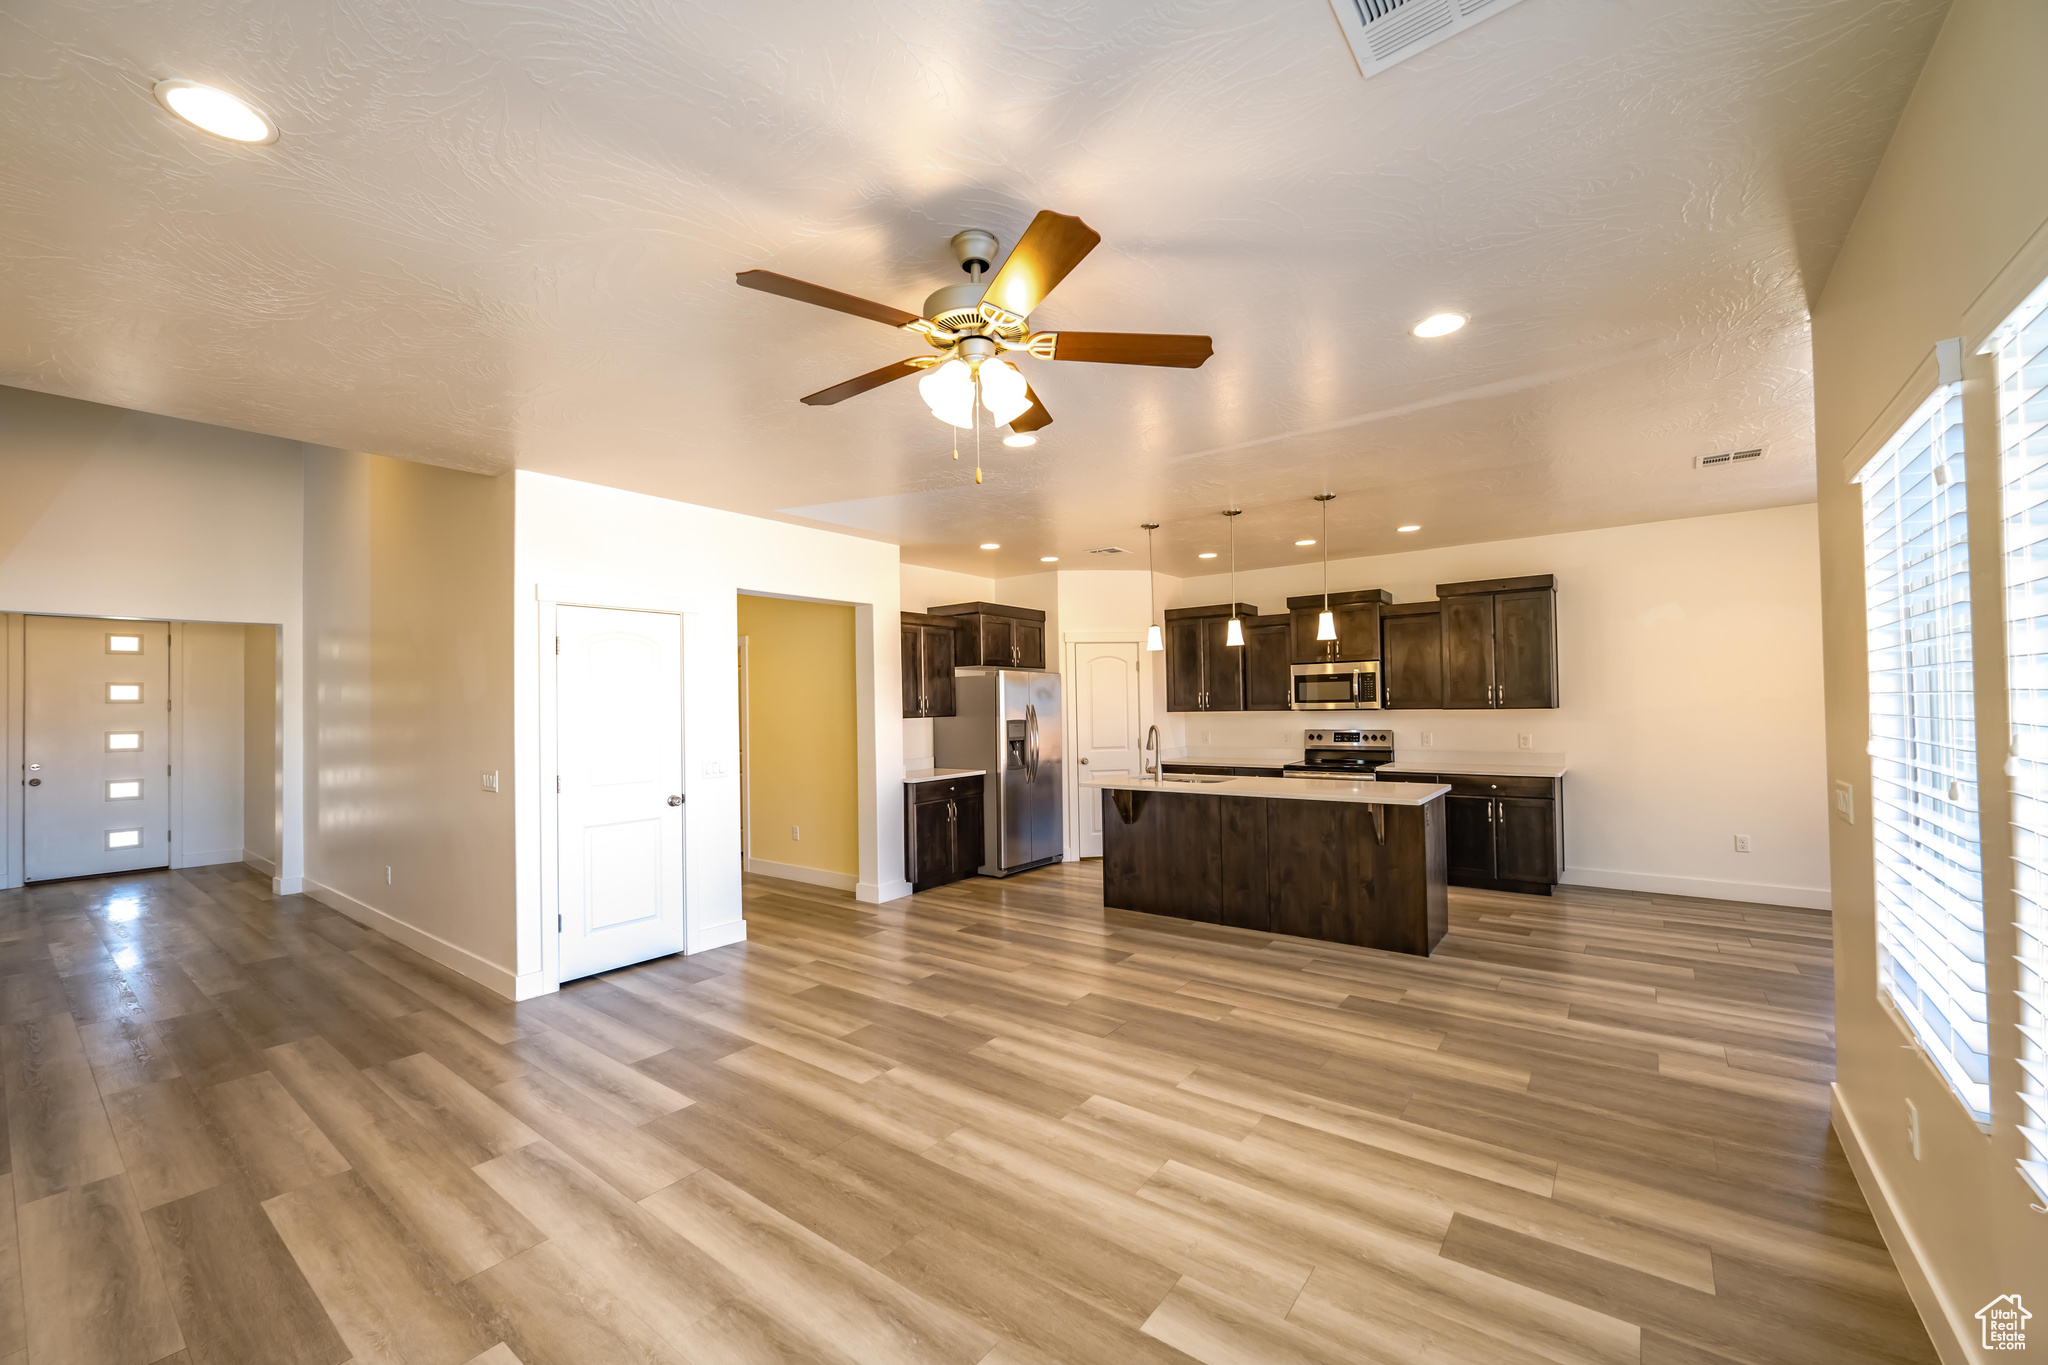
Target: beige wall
{"points": [[409, 695], [206, 815], [801, 764], [262, 752], [1962, 188]]}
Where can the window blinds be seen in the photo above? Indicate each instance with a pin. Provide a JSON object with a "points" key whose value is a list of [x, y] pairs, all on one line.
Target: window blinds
{"points": [[1923, 743], [2022, 345]]}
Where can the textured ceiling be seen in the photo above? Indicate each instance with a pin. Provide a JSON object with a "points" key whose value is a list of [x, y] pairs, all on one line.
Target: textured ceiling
{"points": [[498, 234]]}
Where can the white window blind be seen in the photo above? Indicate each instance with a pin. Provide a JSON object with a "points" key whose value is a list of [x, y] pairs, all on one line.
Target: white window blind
{"points": [[2022, 345], [1923, 743]]}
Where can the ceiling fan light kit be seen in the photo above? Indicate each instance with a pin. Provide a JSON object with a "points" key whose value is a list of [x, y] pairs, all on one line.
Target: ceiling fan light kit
{"points": [[975, 328]]}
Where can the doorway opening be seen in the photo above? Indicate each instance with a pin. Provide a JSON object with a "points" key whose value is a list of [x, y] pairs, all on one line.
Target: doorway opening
{"points": [[801, 762], [140, 744]]}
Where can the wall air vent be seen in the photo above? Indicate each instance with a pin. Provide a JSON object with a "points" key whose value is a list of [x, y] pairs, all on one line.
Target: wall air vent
{"points": [[1383, 32], [1726, 457], [1110, 550]]}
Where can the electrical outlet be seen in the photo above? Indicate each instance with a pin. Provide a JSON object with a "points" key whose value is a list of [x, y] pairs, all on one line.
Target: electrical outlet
{"points": [[1913, 1128], [1525, 741], [1742, 843], [1845, 802], [387, 876], [796, 833], [1428, 738], [490, 781], [1208, 735]]}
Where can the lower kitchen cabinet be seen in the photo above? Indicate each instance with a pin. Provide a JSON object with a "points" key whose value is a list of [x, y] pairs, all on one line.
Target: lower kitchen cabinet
{"points": [[1501, 833], [942, 831]]}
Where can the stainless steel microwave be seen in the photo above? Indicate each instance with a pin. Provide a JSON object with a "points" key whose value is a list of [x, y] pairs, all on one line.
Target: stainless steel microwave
{"points": [[1337, 687]]}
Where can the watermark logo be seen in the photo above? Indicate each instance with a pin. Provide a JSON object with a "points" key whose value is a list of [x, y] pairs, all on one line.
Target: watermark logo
{"points": [[2005, 1323]]}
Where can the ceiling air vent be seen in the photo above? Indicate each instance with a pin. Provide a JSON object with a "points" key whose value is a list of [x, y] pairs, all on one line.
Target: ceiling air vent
{"points": [[1110, 550], [1383, 32], [1726, 457]]}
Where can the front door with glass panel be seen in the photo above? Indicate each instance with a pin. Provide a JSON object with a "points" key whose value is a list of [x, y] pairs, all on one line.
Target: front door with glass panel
{"points": [[96, 726], [619, 754]]}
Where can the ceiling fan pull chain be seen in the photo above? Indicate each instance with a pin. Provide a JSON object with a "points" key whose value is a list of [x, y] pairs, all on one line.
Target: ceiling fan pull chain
{"points": [[977, 426]]}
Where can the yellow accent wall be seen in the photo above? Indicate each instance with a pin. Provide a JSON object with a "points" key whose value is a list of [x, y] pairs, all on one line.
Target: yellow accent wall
{"points": [[800, 741]]}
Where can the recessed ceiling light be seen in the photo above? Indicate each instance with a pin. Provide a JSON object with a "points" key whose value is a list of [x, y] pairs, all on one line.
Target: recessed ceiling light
{"points": [[1304, 542], [1021, 438], [1206, 554], [1406, 529], [1439, 324], [990, 545], [1048, 559], [216, 111]]}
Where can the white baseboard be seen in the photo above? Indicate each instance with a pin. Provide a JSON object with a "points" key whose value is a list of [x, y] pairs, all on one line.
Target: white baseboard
{"points": [[211, 858], [1948, 1329], [529, 984], [256, 860], [449, 955], [1799, 897], [810, 876], [709, 936], [872, 893], [287, 886]]}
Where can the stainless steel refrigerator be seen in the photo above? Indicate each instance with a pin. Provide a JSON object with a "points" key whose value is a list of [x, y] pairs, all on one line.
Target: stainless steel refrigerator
{"points": [[1008, 725]]}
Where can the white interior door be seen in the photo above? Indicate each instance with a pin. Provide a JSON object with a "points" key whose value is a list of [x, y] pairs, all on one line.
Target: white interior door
{"points": [[1107, 733], [96, 722], [619, 755]]}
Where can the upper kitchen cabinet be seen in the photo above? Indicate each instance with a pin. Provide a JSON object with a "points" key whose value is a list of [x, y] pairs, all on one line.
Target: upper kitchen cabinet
{"points": [[1412, 656], [1268, 681], [1203, 671], [1499, 643], [1357, 618], [995, 636], [927, 665]]}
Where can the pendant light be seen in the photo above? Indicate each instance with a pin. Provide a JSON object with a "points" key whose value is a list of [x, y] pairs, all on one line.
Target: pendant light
{"points": [[1326, 624], [1153, 640], [1234, 635]]}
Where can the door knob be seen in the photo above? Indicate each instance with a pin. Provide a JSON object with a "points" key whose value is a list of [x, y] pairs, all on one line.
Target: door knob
{"points": [[675, 800], [37, 781], [1084, 760]]}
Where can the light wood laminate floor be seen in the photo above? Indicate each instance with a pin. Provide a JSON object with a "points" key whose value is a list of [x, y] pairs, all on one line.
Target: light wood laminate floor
{"points": [[994, 1123]]}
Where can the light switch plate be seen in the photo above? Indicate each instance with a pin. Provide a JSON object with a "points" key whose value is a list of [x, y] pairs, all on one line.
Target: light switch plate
{"points": [[490, 782], [1845, 802], [1428, 738]]}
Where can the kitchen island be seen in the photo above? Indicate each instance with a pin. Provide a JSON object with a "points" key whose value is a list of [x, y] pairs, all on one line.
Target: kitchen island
{"points": [[1347, 862]]}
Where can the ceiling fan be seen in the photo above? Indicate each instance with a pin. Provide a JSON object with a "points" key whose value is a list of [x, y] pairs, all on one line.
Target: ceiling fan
{"points": [[973, 327]]}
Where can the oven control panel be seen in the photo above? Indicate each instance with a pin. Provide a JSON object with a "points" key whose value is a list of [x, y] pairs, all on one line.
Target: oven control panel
{"points": [[1349, 739]]}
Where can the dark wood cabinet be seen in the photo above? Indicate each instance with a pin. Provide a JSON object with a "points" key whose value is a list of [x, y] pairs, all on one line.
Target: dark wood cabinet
{"points": [[1268, 681], [1204, 672], [1501, 833], [928, 643], [1499, 643], [991, 635], [1356, 615], [1412, 657], [942, 831]]}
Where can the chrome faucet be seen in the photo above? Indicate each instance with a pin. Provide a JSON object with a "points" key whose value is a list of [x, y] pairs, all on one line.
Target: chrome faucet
{"points": [[1156, 770]]}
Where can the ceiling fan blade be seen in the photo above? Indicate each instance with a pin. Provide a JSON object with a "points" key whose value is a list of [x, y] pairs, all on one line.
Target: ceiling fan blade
{"points": [[768, 282], [1053, 245], [873, 379], [1034, 416], [1130, 348]]}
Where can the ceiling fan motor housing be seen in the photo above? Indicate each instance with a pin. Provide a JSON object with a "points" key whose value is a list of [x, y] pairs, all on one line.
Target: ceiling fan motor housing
{"points": [[974, 249], [956, 307]]}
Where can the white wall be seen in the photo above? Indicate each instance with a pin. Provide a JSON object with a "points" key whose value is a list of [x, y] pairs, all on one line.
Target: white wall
{"points": [[409, 676], [106, 512], [1690, 676], [262, 751], [605, 546], [206, 818]]}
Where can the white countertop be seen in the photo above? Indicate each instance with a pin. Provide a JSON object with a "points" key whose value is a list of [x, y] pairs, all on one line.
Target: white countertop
{"points": [[1470, 767], [1290, 789], [1220, 756], [941, 774]]}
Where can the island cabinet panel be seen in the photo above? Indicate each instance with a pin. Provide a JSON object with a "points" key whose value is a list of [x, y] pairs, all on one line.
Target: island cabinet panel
{"points": [[1243, 899], [1343, 872], [1166, 855]]}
